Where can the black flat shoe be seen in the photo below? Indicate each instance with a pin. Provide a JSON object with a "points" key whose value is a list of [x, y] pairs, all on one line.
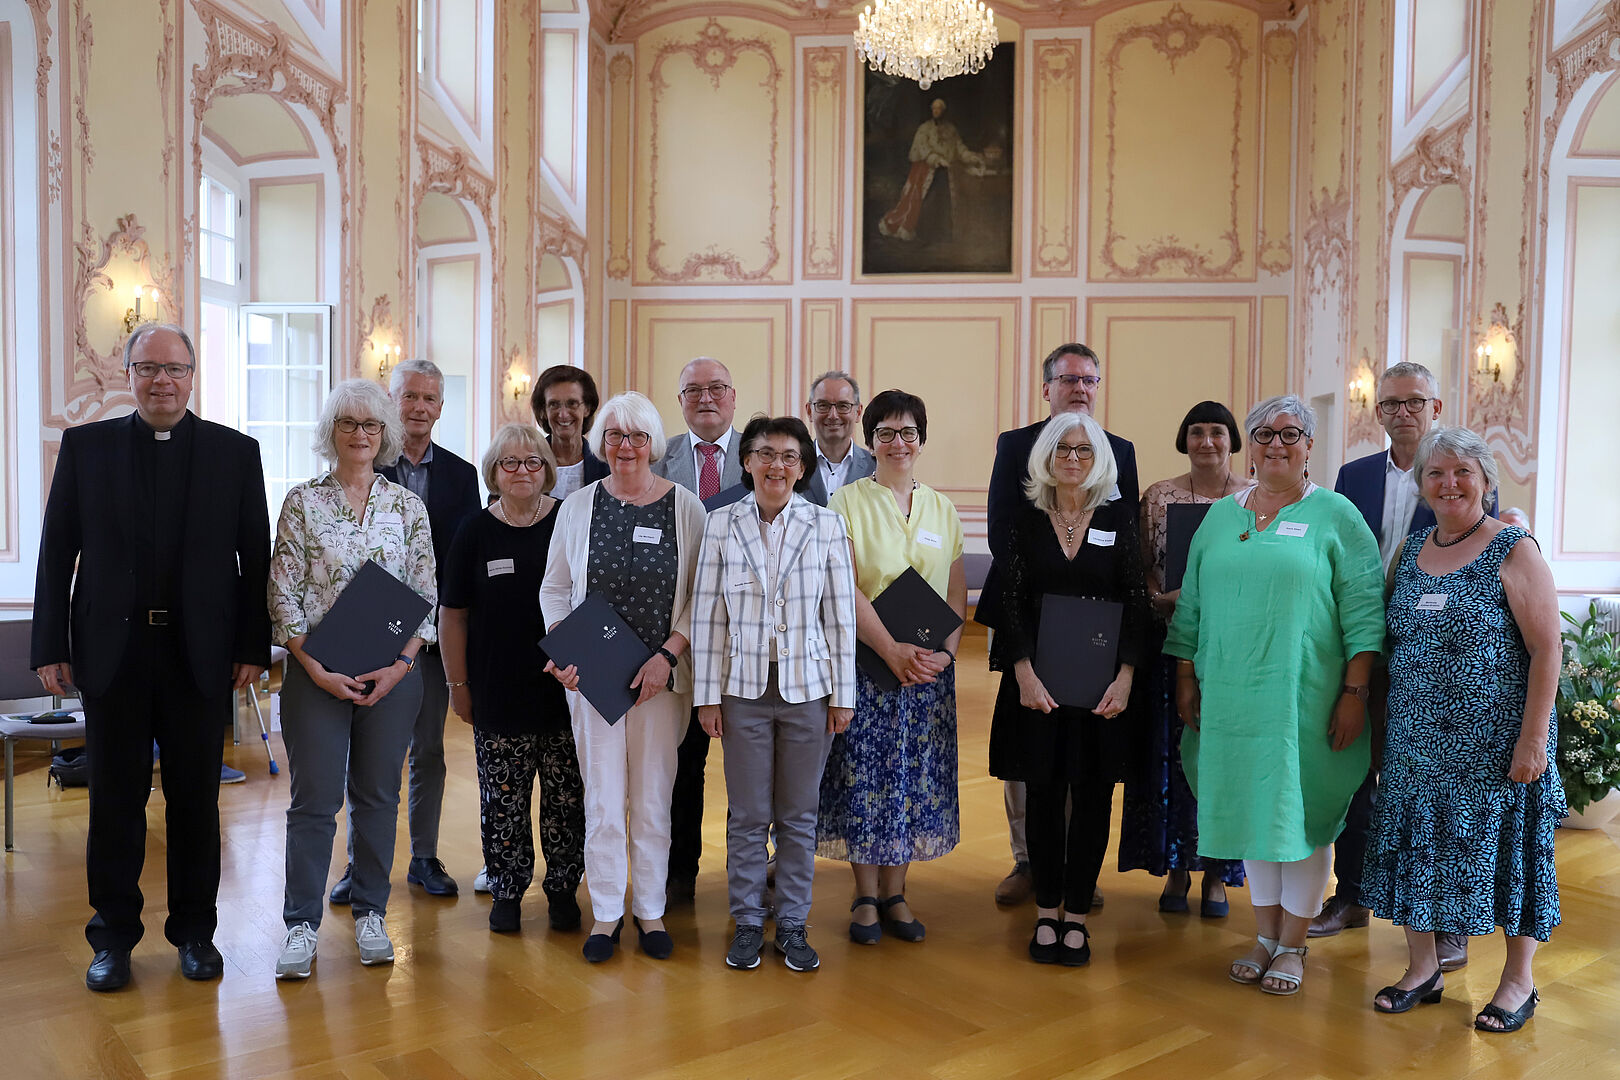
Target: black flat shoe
{"points": [[108, 971], [600, 947], [655, 943], [562, 911], [199, 960], [1045, 954], [1511, 1021], [505, 916], [1071, 957], [1403, 1000], [865, 933], [905, 931], [1171, 902]]}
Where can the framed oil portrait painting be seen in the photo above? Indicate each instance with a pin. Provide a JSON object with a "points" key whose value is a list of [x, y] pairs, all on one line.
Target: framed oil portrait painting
{"points": [[937, 185]]}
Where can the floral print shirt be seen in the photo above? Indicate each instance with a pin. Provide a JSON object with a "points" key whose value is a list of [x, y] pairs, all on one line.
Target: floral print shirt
{"points": [[320, 546]]}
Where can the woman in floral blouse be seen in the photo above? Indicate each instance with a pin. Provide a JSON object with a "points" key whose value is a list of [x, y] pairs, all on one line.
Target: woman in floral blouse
{"points": [[329, 527]]}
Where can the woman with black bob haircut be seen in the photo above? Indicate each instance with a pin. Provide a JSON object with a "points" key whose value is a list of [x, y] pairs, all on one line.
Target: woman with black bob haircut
{"points": [[773, 653], [1159, 833], [888, 794], [564, 403]]}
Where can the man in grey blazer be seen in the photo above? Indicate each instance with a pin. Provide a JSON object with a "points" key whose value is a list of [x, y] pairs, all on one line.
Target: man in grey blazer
{"points": [[706, 459], [834, 412]]}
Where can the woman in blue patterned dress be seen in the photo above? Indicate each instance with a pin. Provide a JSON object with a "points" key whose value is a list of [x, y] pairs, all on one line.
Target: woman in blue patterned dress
{"points": [[1463, 838]]}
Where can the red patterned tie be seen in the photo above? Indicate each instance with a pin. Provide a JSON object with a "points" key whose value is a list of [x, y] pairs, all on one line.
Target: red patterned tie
{"points": [[709, 477]]}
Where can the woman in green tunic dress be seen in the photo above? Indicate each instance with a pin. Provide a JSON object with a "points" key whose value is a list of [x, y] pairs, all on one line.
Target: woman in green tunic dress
{"points": [[1280, 616]]}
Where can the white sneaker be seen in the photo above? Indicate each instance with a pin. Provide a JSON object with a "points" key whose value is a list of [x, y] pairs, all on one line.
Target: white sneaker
{"points": [[297, 953], [372, 937], [481, 882]]}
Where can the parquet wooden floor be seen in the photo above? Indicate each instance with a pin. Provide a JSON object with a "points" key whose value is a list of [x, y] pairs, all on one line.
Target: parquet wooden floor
{"points": [[967, 1003]]}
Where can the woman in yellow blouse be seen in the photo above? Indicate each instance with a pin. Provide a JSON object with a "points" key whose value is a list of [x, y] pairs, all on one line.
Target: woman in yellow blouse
{"points": [[888, 794], [329, 527]]}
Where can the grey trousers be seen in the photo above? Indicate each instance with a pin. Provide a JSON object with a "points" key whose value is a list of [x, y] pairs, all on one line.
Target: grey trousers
{"points": [[425, 803], [323, 734], [774, 754]]}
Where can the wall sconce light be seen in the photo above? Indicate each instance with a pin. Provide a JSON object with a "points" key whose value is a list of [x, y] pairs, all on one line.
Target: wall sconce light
{"points": [[133, 316], [384, 366], [520, 385], [1485, 365], [1359, 395]]}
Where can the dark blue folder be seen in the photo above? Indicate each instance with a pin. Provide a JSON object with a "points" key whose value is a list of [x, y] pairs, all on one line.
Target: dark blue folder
{"points": [[369, 625], [607, 652]]}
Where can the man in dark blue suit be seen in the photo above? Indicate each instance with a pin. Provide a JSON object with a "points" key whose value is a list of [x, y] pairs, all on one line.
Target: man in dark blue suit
{"points": [[1070, 378], [1383, 487], [448, 484]]}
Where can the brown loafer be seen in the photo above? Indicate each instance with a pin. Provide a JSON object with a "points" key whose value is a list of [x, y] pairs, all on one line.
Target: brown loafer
{"points": [[1452, 950], [1338, 914], [1016, 888]]}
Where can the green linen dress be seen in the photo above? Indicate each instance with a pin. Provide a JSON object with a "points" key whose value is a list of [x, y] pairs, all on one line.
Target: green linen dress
{"points": [[1269, 623]]}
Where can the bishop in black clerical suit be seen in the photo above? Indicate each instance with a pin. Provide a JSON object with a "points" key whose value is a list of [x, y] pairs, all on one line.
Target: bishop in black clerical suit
{"points": [[165, 516]]}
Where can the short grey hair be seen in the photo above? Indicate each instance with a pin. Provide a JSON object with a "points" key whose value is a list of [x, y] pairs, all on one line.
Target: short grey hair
{"points": [[1460, 443], [1041, 487], [837, 374], [145, 329], [1268, 410], [629, 411], [360, 399], [406, 368], [1409, 369], [527, 436]]}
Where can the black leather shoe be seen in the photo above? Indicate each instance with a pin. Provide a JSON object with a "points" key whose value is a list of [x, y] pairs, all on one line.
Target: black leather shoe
{"points": [[505, 916], [905, 931], [655, 943], [1048, 953], [600, 947], [199, 960], [562, 911], [1510, 1021], [680, 889], [865, 933], [1069, 956], [108, 971], [432, 876], [1428, 992], [340, 891]]}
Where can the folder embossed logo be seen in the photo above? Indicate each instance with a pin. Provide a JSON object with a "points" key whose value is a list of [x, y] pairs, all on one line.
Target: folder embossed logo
{"points": [[605, 650], [1077, 652], [912, 612], [368, 625]]}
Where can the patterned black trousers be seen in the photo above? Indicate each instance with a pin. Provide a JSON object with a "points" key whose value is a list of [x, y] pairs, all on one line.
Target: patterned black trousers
{"points": [[508, 766]]}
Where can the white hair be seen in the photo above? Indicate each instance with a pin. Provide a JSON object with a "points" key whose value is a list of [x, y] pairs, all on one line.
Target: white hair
{"points": [[1459, 443], [628, 411], [360, 399], [1041, 487], [1410, 369], [406, 368], [1268, 410]]}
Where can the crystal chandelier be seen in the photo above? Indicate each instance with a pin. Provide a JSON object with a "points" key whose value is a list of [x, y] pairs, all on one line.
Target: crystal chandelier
{"points": [[926, 40]]}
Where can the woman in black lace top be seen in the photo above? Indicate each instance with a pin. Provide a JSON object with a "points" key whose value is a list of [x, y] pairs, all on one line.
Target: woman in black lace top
{"points": [[1070, 542]]}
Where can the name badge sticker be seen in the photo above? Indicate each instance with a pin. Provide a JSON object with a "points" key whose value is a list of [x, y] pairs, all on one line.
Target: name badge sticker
{"points": [[1292, 528], [1100, 538], [498, 567], [742, 581], [928, 539], [388, 519], [1432, 601], [645, 535], [1113, 494]]}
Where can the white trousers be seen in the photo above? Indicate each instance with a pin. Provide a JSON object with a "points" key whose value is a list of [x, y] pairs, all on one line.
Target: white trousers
{"points": [[1297, 886], [629, 772]]}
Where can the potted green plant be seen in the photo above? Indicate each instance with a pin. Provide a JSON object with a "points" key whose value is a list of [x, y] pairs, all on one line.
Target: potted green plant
{"points": [[1589, 721]]}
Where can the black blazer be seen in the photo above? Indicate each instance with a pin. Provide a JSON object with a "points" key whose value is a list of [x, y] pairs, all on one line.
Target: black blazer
{"points": [[1006, 495], [226, 554], [452, 498], [1362, 482]]}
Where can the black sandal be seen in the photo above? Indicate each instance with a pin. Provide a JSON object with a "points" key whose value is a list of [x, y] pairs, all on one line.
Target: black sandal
{"points": [[863, 933], [1045, 954], [1072, 957], [1511, 1021], [905, 931], [1403, 1000]]}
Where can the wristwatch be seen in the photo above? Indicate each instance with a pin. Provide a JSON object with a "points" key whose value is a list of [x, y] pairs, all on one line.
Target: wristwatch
{"points": [[409, 661], [667, 655], [1360, 692]]}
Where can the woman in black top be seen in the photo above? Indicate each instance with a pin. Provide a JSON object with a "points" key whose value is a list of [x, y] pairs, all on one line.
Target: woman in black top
{"points": [[490, 626], [1068, 541]]}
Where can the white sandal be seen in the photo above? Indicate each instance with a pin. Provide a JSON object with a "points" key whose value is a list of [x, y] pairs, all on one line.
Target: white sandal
{"points": [[1270, 945], [1291, 980]]}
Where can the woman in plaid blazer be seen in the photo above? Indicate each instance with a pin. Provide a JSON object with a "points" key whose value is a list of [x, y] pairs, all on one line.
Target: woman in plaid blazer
{"points": [[773, 653]]}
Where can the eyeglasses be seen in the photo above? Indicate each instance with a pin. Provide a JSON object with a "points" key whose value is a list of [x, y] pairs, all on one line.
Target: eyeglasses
{"points": [[842, 408], [715, 392], [1090, 381], [533, 463], [767, 456], [637, 439], [348, 424], [887, 434], [148, 370], [1079, 453], [1412, 405], [1289, 435], [564, 406]]}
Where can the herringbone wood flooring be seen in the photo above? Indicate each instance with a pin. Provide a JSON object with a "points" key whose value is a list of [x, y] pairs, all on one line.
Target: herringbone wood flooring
{"points": [[967, 1003]]}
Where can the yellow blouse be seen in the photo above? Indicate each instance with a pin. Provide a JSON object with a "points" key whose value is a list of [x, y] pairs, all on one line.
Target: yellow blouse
{"points": [[886, 542]]}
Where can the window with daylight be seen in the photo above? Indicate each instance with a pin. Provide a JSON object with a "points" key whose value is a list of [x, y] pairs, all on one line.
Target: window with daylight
{"points": [[218, 212], [286, 373]]}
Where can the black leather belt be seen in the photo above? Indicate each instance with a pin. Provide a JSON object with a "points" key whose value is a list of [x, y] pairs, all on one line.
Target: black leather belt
{"points": [[161, 617]]}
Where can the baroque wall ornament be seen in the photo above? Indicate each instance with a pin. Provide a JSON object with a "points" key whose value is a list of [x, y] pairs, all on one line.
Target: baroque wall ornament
{"points": [[1279, 47], [556, 237], [1497, 408], [1177, 36], [449, 171], [714, 52], [41, 11], [96, 381], [621, 69], [1057, 66]]}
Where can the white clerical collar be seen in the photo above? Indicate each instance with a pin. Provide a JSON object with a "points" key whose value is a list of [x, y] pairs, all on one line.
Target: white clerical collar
{"points": [[162, 436]]}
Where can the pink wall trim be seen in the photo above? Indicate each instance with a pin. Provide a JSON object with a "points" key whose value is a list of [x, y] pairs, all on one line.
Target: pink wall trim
{"points": [[1408, 259], [319, 181], [1248, 352], [425, 345], [1412, 234], [779, 315], [8, 301], [213, 135], [836, 308], [1579, 138], [476, 120], [833, 76], [569, 175], [1413, 107]]}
